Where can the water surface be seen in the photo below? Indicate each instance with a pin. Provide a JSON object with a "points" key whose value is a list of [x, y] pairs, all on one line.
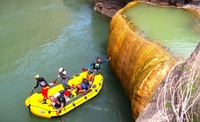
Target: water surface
{"points": [[174, 28]]}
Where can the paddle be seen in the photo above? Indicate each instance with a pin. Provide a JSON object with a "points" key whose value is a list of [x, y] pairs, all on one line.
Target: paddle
{"points": [[31, 93], [29, 103], [54, 82], [60, 118], [58, 115], [84, 69], [29, 109]]}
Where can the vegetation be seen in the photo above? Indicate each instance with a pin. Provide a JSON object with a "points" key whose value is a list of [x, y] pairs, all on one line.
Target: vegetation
{"points": [[177, 100]]}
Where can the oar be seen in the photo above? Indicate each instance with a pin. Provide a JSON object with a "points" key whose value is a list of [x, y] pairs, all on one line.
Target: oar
{"points": [[59, 115], [29, 103], [54, 82], [29, 108], [31, 94], [60, 118], [84, 69]]}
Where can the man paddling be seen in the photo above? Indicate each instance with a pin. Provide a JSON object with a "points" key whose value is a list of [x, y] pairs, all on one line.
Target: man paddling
{"points": [[45, 86]]}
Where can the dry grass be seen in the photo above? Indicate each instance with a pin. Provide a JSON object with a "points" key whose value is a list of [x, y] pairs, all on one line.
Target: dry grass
{"points": [[179, 95]]}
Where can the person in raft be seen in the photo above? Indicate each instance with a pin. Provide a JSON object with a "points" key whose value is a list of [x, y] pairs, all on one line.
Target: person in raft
{"points": [[64, 75], [83, 87], [95, 67], [66, 93], [58, 100], [45, 86]]}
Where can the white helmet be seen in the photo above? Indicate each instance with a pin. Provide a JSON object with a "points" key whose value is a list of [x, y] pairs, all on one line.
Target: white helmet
{"points": [[61, 69], [64, 73]]}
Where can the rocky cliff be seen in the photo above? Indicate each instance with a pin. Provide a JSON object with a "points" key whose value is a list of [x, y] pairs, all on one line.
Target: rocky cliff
{"points": [[109, 7], [177, 99]]}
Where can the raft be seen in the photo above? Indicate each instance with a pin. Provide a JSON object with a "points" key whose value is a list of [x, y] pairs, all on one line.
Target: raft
{"points": [[35, 105]]}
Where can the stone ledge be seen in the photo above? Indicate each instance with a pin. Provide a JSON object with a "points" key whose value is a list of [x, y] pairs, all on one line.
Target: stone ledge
{"points": [[107, 7]]}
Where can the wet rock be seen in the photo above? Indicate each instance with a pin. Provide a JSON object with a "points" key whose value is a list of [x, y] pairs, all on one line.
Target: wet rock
{"points": [[108, 7]]}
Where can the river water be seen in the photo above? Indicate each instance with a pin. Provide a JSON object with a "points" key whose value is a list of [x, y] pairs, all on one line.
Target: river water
{"points": [[175, 29], [40, 36]]}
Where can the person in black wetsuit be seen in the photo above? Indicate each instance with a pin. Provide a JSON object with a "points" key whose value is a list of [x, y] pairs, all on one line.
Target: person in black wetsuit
{"points": [[45, 86], [58, 102]]}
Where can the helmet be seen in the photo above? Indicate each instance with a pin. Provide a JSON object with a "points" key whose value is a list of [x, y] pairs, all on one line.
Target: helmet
{"points": [[64, 73], [61, 69], [37, 76]]}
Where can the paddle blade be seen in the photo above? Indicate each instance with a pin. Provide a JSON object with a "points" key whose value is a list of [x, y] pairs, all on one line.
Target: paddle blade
{"points": [[29, 108], [60, 119], [84, 69], [54, 82]]}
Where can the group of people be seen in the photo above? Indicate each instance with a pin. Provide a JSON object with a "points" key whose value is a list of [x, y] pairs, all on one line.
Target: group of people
{"points": [[58, 100]]}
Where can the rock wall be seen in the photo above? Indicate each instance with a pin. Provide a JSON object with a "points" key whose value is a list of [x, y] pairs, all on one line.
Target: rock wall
{"points": [[109, 7], [139, 64], [154, 110]]}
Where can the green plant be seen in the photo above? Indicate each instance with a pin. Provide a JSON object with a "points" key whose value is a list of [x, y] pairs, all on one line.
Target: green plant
{"points": [[168, 104]]}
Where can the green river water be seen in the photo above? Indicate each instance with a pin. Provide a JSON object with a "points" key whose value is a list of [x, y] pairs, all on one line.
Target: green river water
{"points": [[40, 36], [174, 28]]}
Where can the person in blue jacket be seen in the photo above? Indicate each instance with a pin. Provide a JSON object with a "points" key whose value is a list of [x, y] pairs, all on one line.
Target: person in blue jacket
{"points": [[83, 87], [95, 67]]}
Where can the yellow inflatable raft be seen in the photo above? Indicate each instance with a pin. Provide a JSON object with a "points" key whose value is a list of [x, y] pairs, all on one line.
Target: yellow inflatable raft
{"points": [[34, 102]]}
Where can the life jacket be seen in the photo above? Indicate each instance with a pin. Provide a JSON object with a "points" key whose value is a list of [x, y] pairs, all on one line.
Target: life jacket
{"points": [[85, 85], [64, 76], [42, 82], [60, 100], [96, 66]]}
